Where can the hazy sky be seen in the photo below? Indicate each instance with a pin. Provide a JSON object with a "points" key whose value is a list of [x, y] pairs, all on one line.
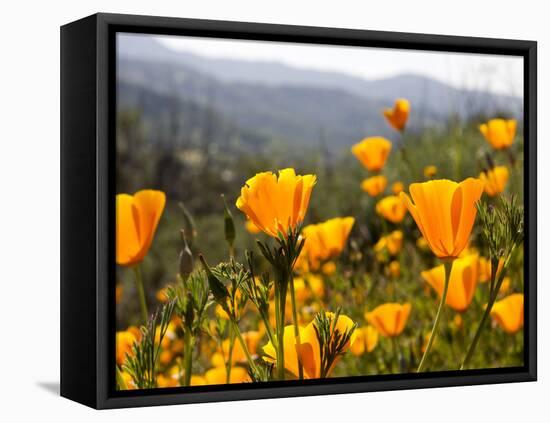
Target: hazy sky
{"points": [[502, 74]]}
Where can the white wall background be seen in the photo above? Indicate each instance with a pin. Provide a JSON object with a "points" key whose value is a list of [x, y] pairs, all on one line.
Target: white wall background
{"points": [[29, 209]]}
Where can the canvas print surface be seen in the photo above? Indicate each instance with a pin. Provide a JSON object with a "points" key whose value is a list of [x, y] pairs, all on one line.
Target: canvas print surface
{"points": [[297, 211]]}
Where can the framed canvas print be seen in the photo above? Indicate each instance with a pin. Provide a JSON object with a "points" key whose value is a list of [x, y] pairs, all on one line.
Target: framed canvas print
{"points": [[255, 211]]}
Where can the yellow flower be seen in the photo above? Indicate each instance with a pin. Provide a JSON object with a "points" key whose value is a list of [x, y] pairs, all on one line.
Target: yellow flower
{"points": [[495, 180], [308, 286], [130, 384], [391, 208], [167, 381], [505, 285], [166, 357], [329, 268], [276, 204], [422, 244], [327, 239], [394, 269], [372, 152], [430, 171], [392, 242], [458, 321], [499, 133], [137, 217], [397, 117], [177, 346], [118, 294], [390, 318], [375, 185], [462, 282], [366, 340], [484, 269], [251, 227], [162, 295], [198, 380], [251, 340], [397, 187], [444, 212], [217, 376], [309, 347], [124, 341], [508, 313]]}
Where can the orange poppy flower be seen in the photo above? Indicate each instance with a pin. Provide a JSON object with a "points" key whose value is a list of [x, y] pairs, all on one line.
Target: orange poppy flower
{"points": [[375, 185], [495, 180], [365, 341], [462, 282], [391, 208], [310, 350], [276, 204], [397, 117], [137, 217], [508, 313], [389, 319], [372, 152], [444, 212], [500, 133]]}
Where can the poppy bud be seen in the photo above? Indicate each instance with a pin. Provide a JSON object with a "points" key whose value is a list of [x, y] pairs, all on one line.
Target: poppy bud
{"points": [[186, 262], [216, 286], [189, 313], [229, 225], [188, 224]]}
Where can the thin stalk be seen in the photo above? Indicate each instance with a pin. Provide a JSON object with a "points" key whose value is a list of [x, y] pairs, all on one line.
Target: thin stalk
{"points": [[228, 364], [280, 330], [187, 357], [141, 292], [492, 298], [120, 380], [269, 331], [395, 350], [296, 327], [244, 347], [448, 266]]}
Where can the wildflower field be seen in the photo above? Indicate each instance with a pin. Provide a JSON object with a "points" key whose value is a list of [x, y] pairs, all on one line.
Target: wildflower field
{"points": [[280, 223], [401, 255]]}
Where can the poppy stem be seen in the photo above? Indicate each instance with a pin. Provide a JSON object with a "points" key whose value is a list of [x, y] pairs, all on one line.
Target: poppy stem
{"points": [[228, 364], [395, 349], [188, 358], [296, 327], [448, 266], [244, 347], [141, 293], [492, 298], [280, 331], [120, 379]]}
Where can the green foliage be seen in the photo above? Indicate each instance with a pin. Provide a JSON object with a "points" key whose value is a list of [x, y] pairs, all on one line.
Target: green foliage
{"points": [[142, 363], [331, 340]]}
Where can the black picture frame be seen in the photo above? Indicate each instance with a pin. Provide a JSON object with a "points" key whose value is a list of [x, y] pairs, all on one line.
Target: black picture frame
{"points": [[88, 90]]}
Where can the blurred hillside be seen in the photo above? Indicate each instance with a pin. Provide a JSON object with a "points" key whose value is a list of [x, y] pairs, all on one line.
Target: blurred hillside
{"points": [[269, 100]]}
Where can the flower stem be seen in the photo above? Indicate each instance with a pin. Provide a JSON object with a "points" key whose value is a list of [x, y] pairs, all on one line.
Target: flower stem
{"points": [[120, 380], [448, 266], [280, 330], [228, 363], [244, 347], [187, 358], [141, 292], [296, 327], [268, 330], [492, 298], [395, 350]]}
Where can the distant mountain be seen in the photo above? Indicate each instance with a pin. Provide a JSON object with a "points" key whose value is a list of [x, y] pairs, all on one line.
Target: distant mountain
{"points": [[265, 100], [424, 93], [291, 113]]}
